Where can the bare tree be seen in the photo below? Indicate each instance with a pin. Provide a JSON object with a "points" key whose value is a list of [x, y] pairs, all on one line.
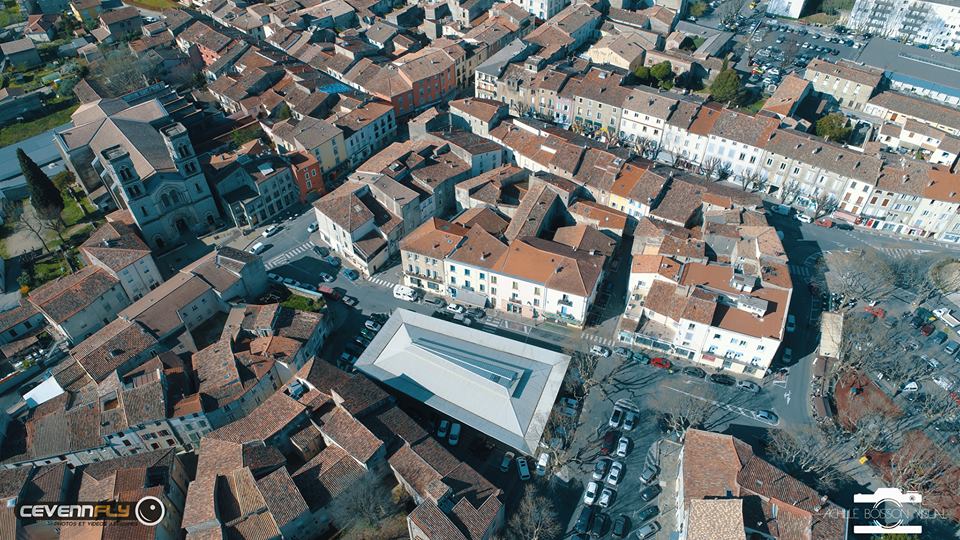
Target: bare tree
{"points": [[807, 450], [944, 276], [788, 192], [32, 222], [536, 518], [861, 274], [580, 377], [748, 179], [646, 148], [365, 504], [935, 405], [120, 72], [612, 138], [729, 10], [682, 411], [710, 166], [921, 468], [520, 109], [875, 431], [823, 204], [724, 171]]}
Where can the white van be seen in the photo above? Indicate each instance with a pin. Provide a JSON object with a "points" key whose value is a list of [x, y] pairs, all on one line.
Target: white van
{"points": [[257, 248], [804, 218], [401, 292]]}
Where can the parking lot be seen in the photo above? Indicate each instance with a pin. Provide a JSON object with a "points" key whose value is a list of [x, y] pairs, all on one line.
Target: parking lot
{"points": [[776, 49]]}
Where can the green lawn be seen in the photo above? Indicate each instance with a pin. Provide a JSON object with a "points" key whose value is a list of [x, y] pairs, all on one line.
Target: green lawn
{"points": [[17, 132], [72, 213], [295, 301], [10, 14], [156, 5]]}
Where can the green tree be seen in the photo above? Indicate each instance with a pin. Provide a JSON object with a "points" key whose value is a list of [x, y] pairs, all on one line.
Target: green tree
{"points": [[44, 195], [697, 9], [833, 127], [643, 74], [726, 87], [662, 71]]}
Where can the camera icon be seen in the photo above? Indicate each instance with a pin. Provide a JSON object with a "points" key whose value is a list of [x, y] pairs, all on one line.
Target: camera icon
{"points": [[894, 495]]}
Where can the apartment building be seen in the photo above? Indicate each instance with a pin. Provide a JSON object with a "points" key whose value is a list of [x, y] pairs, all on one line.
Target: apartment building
{"points": [[645, 114], [900, 108], [597, 99], [849, 83], [320, 138], [927, 22], [736, 140], [922, 141], [117, 249], [79, 304]]}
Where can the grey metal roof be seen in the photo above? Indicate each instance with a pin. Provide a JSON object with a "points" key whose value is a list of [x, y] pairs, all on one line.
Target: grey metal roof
{"points": [[499, 386], [940, 71], [512, 52]]}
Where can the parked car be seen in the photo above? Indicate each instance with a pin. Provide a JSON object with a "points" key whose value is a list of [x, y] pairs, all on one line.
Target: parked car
{"points": [[622, 351], [326, 278], [609, 443], [351, 274], [649, 473], [569, 406], [312, 228], [274, 278], [616, 417], [543, 463], [600, 468], [661, 363], [694, 372], [271, 230], [623, 446], [454, 437], [722, 379], [455, 308], [630, 420], [939, 337], [748, 386], [945, 381], [321, 251], [621, 526], [787, 355], [648, 513], [367, 333], [505, 462], [590, 494], [606, 497], [640, 357], [600, 521], [523, 469], [443, 429], [434, 301], [600, 351], [374, 326], [647, 530], [332, 260], [767, 417], [650, 493], [616, 469], [584, 520], [791, 323], [257, 248]]}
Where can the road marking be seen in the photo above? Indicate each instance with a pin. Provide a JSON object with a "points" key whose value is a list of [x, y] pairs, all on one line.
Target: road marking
{"points": [[286, 256], [732, 408], [381, 282], [786, 396]]}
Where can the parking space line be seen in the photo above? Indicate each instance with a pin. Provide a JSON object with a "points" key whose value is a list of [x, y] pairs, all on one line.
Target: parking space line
{"points": [[726, 406]]}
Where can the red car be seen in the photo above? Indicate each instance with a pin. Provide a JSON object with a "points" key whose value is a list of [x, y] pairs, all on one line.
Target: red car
{"points": [[329, 293], [926, 329], [875, 311], [661, 363], [609, 443]]}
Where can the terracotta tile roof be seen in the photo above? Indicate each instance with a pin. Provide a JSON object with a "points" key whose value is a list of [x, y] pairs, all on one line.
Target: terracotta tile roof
{"points": [[640, 183], [849, 71], [434, 523], [788, 94], [112, 346], [202, 35], [157, 310], [64, 297], [254, 527], [656, 264], [348, 433], [484, 218], [47, 484], [12, 317], [554, 265], [924, 109], [716, 519], [282, 497], [743, 128], [680, 203], [394, 423], [435, 238], [217, 374], [216, 457], [705, 119], [529, 218], [269, 418], [585, 238], [423, 478], [484, 110], [436, 456], [481, 249], [326, 476], [598, 215]]}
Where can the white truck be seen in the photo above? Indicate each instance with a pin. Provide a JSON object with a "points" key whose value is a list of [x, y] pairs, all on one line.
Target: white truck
{"points": [[944, 315]]}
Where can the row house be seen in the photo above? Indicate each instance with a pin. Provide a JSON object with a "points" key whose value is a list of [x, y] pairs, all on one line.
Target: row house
{"points": [[116, 248], [645, 114], [367, 127], [79, 304], [596, 101], [319, 138], [923, 140], [900, 108], [736, 140], [849, 83]]}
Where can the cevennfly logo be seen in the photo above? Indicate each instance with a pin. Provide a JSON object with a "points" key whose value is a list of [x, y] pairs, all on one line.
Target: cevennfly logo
{"points": [[149, 511], [888, 512]]}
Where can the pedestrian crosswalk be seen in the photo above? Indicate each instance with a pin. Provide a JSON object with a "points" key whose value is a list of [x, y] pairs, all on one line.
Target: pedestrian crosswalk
{"points": [[289, 255], [382, 282], [597, 339], [902, 253], [800, 271]]}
